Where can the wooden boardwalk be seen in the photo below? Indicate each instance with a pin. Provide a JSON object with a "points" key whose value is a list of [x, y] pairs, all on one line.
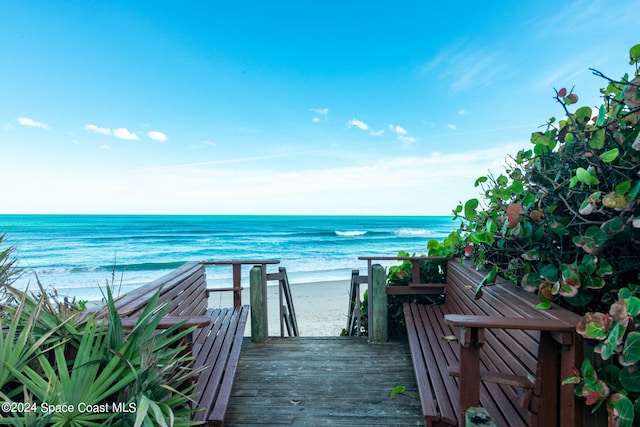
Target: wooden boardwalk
{"points": [[332, 381]]}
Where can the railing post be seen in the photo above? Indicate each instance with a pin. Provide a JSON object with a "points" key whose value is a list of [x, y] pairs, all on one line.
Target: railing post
{"points": [[379, 299], [258, 298], [237, 286]]}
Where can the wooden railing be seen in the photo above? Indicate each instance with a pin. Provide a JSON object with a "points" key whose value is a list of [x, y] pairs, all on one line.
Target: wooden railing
{"points": [[378, 290], [288, 318], [354, 317], [237, 276]]}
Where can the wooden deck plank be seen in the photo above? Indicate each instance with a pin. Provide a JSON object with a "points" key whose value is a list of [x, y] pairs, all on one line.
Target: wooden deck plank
{"points": [[328, 381]]}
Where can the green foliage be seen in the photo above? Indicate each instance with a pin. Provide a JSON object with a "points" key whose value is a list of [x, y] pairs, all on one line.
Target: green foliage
{"points": [[401, 275], [399, 389], [564, 221], [8, 273], [79, 365]]}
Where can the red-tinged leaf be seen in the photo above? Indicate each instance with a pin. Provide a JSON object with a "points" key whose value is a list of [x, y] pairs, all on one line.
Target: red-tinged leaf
{"points": [[562, 92], [513, 214], [593, 398]]}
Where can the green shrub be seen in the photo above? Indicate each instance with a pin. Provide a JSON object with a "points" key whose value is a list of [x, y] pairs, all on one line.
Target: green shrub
{"points": [[92, 372], [564, 221]]}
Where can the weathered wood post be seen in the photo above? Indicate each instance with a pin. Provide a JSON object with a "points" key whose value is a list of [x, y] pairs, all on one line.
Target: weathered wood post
{"points": [[258, 328], [379, 299]]}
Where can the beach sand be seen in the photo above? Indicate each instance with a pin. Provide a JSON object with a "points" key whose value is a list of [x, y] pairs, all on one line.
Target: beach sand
{"points": [[321, 307]]}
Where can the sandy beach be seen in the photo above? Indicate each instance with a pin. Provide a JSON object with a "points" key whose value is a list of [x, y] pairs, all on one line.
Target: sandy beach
{"points": [[321, 307]]}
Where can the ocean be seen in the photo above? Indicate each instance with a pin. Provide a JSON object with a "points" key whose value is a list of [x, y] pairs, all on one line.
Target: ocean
{"points": [[79, 254]]}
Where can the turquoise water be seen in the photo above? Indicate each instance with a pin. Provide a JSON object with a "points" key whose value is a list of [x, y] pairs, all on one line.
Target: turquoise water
{"points": [[78, 253]]}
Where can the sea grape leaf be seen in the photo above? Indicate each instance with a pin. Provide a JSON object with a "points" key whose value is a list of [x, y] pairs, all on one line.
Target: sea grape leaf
{"points": [[634, 54], [489, 278], [614, 200], [538, 138], [604, 268], [592, 240], [585, 177], [613, 226], [609, 156], [589, 264], [624, 293], [602, 112], [623, 187], [612, 340], [581, 299], [480, 180], [484, 237], [634, 191], [517, 187], [470, 209], [588, 372], [594, 282], [597, 140], [630, 378], [558, 229], [631, 351], [544, 305], [623, 409], [549, 273], [633, 306], [569, 276]]}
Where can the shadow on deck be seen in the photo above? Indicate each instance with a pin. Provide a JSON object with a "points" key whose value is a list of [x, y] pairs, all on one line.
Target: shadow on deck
{"points": [[329, 381]]}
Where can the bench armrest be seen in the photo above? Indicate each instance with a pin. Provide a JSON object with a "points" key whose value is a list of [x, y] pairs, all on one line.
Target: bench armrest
{"points": [[478, 321]]}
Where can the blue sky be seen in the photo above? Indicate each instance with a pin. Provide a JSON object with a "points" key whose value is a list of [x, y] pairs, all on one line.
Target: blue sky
{"points": [[284, 107]]}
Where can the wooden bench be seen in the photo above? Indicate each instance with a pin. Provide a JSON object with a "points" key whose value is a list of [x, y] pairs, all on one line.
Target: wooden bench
{"points": [[499, 352], [215, 344]]}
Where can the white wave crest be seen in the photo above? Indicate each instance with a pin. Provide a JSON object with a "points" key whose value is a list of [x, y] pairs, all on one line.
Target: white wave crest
{"points": [[350, 233], [413, 232]]}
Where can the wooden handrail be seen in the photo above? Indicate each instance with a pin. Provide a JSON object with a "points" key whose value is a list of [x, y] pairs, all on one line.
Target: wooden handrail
{"points": [[415, 264], [237, 274]]}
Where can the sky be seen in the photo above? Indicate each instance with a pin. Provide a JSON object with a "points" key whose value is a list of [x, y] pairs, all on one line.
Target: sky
{"points": [[285, 107]]}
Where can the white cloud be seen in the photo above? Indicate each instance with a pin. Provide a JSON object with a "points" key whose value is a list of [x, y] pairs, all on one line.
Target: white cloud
{"points": [[96, 129], [377, 132], [157, 136], [124, 133], [7, 126], [26, 121], [466, 67], [105, 147], [259, 188], [358, 123], [316, 120], [407, 139], [204, 144], [397, 129], [401, 133], [462, 112], [451, 126], [321, 111]]}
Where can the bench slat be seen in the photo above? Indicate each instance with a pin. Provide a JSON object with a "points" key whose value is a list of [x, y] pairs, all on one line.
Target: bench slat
{"points": [[224, 394], [220, 352], [419, 363]]}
